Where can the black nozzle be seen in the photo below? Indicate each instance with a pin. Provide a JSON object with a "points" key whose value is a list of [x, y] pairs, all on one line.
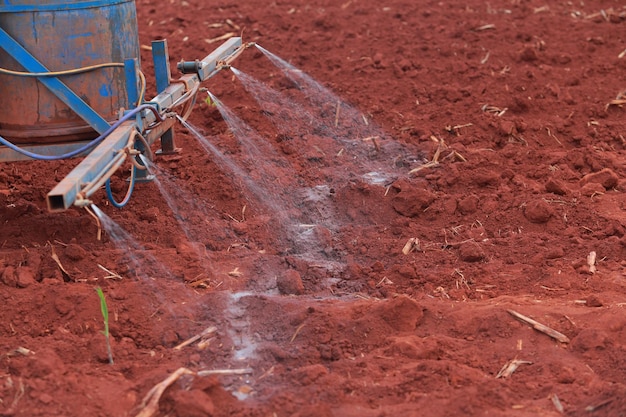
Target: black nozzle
{"points": [[189, 67]]}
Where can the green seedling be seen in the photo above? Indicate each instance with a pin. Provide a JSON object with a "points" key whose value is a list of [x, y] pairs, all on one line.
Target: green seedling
{"points": [[105, 315], [209, 102]]}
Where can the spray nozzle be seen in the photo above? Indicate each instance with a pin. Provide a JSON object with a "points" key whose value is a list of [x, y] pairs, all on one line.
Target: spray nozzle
{"points": [[190, 67]]}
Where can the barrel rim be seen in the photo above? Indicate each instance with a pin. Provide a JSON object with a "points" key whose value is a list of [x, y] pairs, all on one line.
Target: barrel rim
{"points": [[56, 6]]}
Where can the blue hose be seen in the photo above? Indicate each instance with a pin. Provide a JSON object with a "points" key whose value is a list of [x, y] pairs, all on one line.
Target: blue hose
{"points": [[89, 145], [125, 201]]}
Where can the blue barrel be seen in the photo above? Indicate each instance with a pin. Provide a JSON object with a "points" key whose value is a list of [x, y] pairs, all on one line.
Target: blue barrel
{"points": [[65, 35]]}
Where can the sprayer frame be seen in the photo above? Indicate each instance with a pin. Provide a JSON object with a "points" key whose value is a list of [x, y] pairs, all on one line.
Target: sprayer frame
{"points": [[68, 190], [98, 161]]}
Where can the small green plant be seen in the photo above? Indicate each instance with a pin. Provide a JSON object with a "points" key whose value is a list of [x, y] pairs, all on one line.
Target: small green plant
{"points": [[209, 102], [105, 315]]}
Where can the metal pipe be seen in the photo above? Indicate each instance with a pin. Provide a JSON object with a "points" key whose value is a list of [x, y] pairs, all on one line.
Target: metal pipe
{"points": [[225, 63], [94, 165], [209, 63]]}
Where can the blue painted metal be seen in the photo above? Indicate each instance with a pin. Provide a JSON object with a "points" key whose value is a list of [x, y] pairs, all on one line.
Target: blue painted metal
{"points": [[161, 59], [90, 169], [171, 94], [55, 85], [162, 73], [64, 35], [13, 6], [132, 81]]}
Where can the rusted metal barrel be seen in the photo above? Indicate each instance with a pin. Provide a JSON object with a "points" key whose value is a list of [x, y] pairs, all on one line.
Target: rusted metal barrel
{"points": [[65, 35]]}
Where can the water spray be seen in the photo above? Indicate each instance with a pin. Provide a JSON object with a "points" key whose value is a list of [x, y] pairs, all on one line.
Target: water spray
{"points": [[146, 163]]}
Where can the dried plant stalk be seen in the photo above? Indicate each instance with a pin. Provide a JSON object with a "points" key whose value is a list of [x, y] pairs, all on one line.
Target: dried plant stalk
{"points": [[540, 327]]}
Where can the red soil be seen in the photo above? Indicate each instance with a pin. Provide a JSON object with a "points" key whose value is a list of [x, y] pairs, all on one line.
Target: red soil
{"points": [[341, 322]]}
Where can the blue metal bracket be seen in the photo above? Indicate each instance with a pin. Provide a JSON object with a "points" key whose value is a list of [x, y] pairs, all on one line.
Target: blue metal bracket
{"points": [[163, 75], [56, 86], [161, 60], [132, 81]]}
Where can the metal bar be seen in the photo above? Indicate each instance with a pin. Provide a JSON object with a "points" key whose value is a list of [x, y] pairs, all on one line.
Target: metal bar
{"points": [[63, 92], [9, 155], [209, 68], [64, 194], [162, 74], [161, 60], [209, 63], [132, 80], [168, 144], [159, 130], [171, 94]]}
